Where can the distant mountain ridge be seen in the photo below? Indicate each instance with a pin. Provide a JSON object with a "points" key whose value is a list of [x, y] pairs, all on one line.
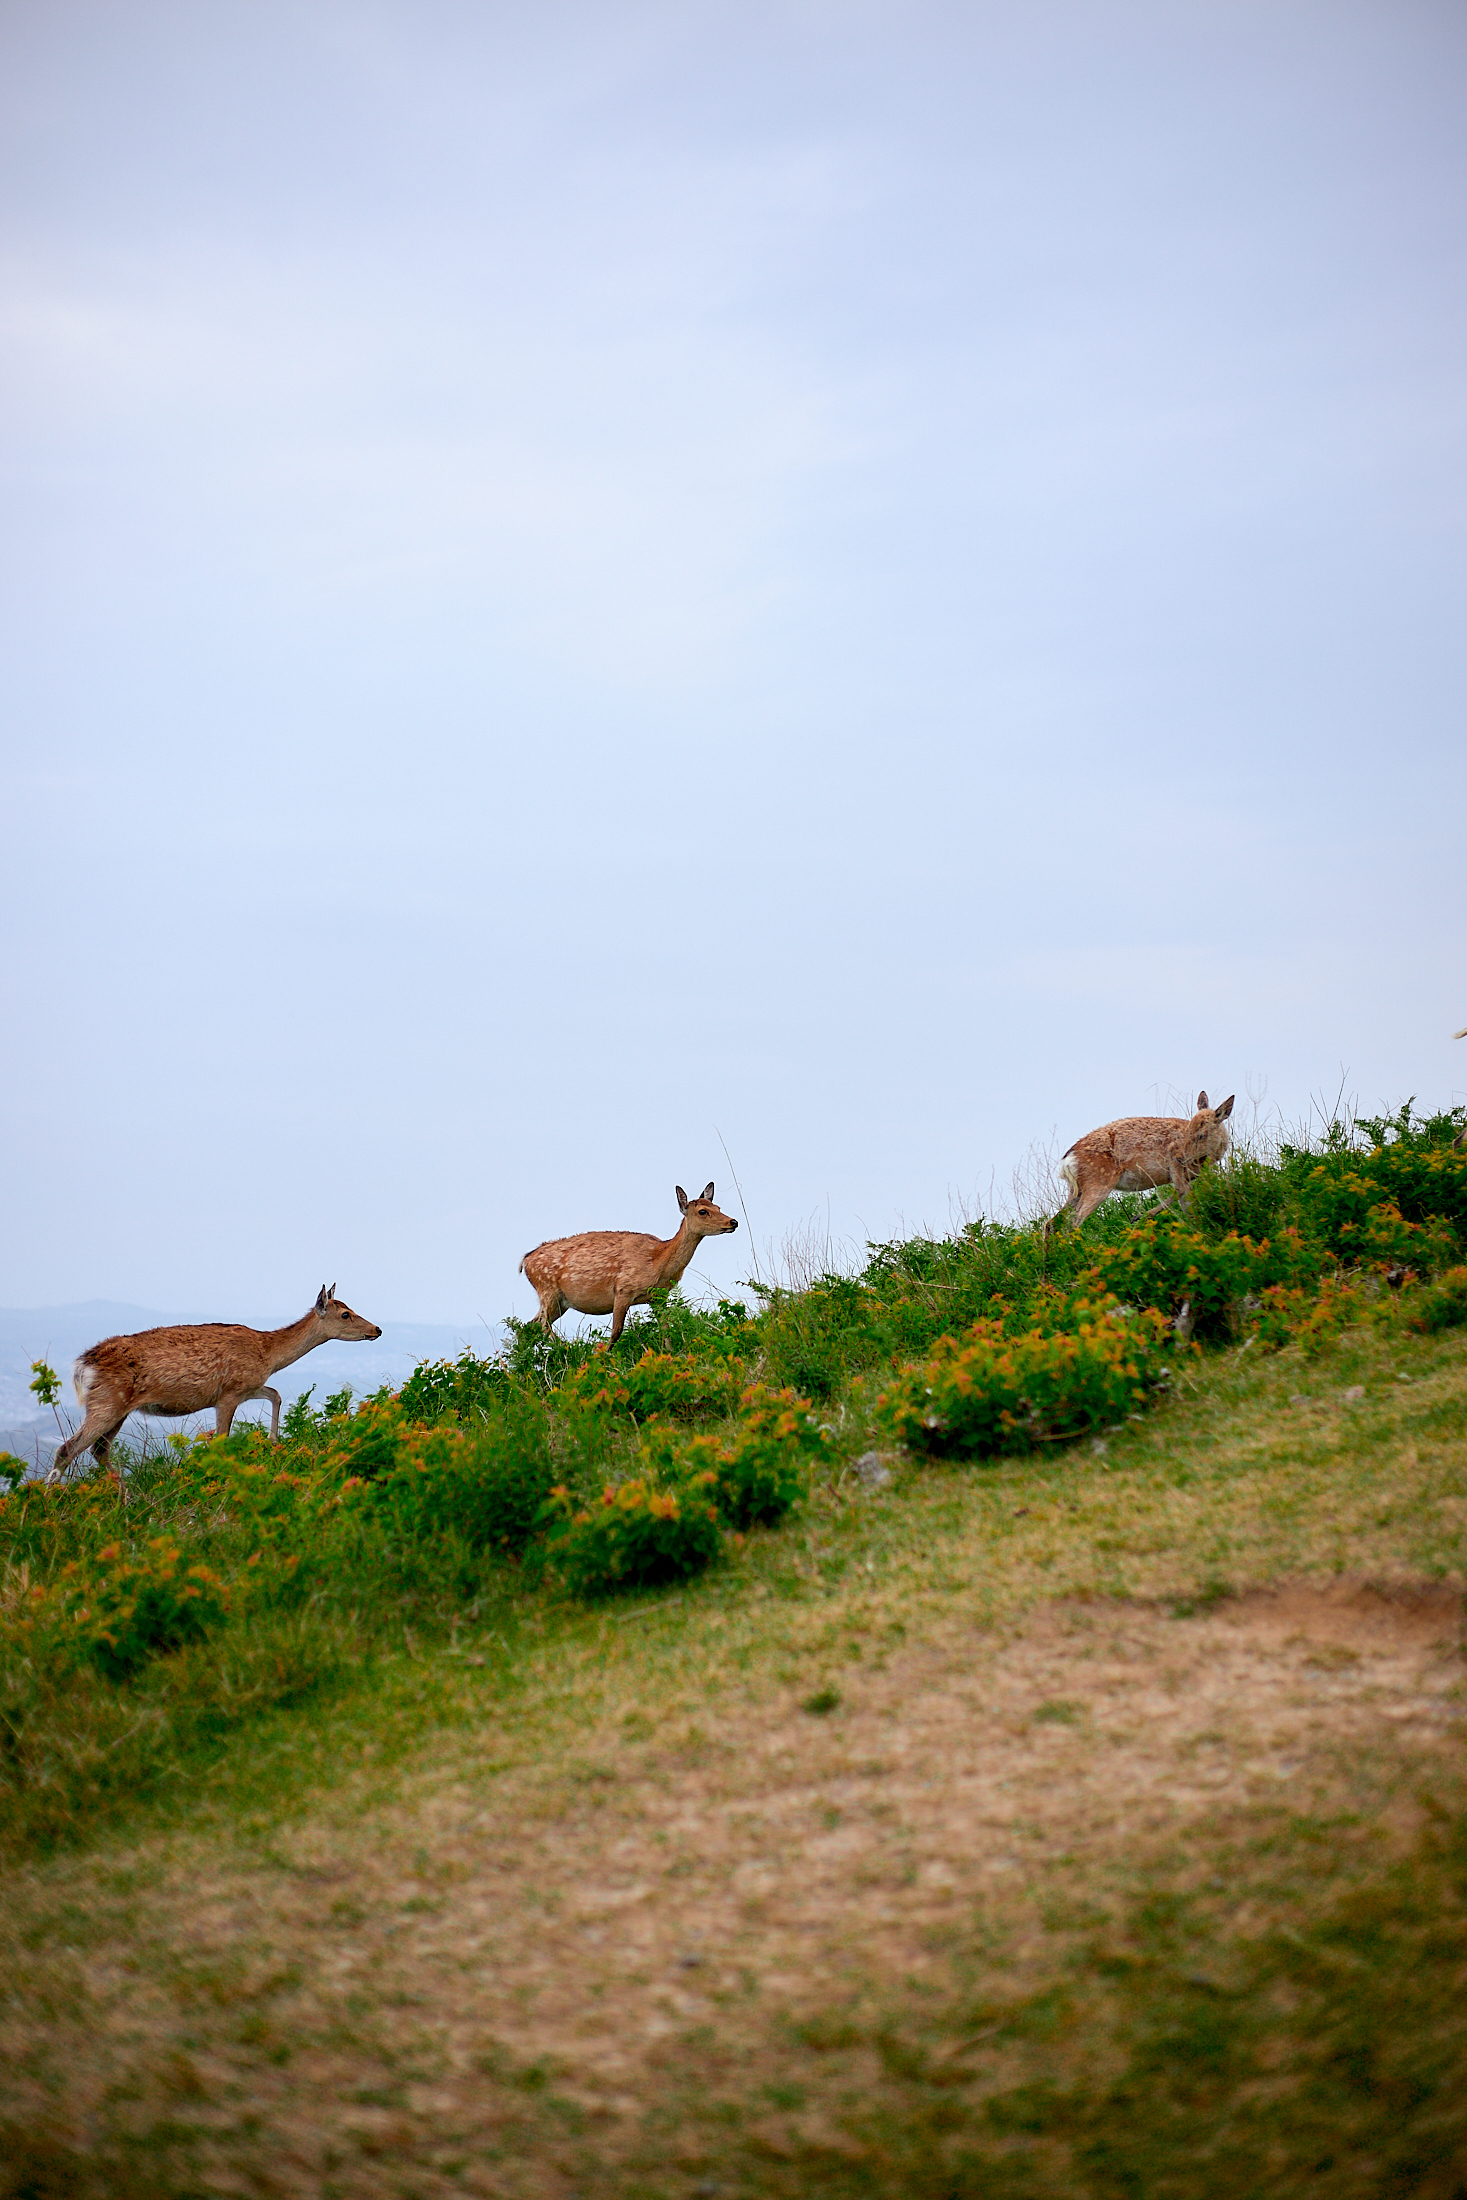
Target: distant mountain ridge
{"points": [[58, 1334]]}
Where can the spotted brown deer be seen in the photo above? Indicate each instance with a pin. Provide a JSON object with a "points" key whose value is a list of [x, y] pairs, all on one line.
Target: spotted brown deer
{"points": [[611, 1271], [1138, 1152], [194, 1365]]}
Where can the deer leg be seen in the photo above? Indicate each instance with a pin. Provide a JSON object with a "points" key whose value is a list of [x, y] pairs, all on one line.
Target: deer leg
{"points": [[620, 1308], [552, 1306], [1094, 1196], [1088, 1195], [224, 1414], [1068, 1207], [265, 1391], [96, 1433], [102, 1453]]}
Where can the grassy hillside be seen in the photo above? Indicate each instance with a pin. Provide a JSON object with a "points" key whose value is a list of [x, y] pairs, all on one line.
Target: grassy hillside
{"points": [[596, 1771]]}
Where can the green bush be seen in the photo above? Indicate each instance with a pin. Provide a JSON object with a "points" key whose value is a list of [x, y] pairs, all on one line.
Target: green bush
{"points": [[993, 1392], [683, 1384], [757, 1478], [487, 1485], [811, 1339], [1243, 1196], [1165, 1262], [634, 1537], [672, 1326], [1357, 1216], [465, 1389], [125, 1610], [1442, 1305], [1311, 1319], [1413, 1163], [926, 1288], [369, 1442], [45, 1524]]}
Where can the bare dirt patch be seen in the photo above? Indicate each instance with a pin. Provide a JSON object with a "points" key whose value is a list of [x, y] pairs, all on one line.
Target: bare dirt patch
{"points": [[486, 1986]]}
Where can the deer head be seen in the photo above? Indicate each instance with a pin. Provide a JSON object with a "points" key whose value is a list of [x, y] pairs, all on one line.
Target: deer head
{"points": [[700, 1216], [340, 1321], [1206, 1139]]}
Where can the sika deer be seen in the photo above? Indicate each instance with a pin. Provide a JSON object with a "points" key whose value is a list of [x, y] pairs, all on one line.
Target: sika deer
{"points": [[610, 1271], [194, 1366], [1140, 1151]]}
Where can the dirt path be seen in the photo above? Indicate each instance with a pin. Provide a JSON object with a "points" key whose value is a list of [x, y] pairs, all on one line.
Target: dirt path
{"points": [[508, 1977]]}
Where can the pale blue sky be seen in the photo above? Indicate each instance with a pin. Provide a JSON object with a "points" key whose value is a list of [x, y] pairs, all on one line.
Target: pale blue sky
{"points": [[884, 580]]}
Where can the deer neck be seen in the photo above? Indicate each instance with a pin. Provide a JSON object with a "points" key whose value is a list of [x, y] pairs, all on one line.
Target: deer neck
{"points": [[295, 1341], [676, 1254]]}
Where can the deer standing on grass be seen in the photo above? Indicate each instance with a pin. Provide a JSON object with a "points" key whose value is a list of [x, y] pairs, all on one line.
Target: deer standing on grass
{"points": [[1138, 1152], [611, 1271], [195, 1365]]}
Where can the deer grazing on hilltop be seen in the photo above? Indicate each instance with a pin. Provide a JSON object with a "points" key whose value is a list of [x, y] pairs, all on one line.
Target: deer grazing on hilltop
{"points": [[195, 1365], [1139, 1152], [611, 1271]]}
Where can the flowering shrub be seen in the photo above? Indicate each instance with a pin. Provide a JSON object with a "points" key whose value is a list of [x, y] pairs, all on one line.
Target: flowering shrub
{"points": [[43, 1524], [368, 1442], [1402, 1202], [753, 1479], [992, 1392], [679, 1383], [1163, 1262], [487, 1485], [633, 1537], [242, 1480], [1310, 1319], [123, 1611], [461, 1389], [782, 1414], [758, 1479], [1442, 1306], [1385, 1239]]}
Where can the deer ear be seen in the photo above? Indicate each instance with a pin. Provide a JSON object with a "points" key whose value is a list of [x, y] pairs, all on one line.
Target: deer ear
{"points": [[707, 1192], [321, 1298], [682, 1199], [1201, 1102], [1224, 1108]]}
